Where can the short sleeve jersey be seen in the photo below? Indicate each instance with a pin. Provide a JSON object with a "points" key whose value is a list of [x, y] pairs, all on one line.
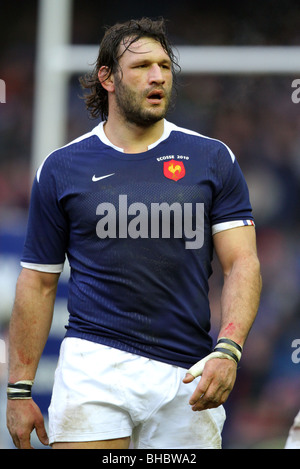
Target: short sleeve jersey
{"points": [[137, 230]]}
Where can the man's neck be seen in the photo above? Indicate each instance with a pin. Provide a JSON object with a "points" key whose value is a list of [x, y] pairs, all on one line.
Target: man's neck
{"points": [[131, 137]]}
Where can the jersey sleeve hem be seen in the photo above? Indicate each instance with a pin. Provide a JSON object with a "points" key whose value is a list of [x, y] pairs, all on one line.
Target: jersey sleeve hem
{"points": [[228, 225], [48, 268]]}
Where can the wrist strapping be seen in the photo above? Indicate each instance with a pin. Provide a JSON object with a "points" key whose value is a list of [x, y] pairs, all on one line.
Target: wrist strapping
{"points": [[19, 390], [225, 348], [230, 348]]}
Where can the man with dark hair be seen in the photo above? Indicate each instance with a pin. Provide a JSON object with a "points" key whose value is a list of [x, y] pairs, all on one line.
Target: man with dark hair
{"points": [[110, 54], [137, 205]]}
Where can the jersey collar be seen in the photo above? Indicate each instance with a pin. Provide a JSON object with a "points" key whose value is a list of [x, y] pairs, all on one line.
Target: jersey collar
{"points": [[99, 131]]}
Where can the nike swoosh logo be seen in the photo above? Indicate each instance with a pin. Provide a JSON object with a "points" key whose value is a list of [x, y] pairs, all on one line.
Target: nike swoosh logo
{"points": [[96, 179]]}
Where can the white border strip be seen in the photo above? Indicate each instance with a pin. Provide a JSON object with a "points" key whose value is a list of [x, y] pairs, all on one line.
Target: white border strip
{"points": [[228, 225], [49, 268]]}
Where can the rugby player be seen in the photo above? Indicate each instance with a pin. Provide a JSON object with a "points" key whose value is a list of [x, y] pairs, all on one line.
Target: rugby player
{"points": [[137, 206]]}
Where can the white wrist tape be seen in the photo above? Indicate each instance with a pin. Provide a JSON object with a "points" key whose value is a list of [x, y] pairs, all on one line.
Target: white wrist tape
{"points": [[197, 369], [225, 348], [19, 390]]}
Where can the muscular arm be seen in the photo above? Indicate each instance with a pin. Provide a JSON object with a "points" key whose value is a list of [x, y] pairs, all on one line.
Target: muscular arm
{"points": [[29, 329], [236, 250], [30, 322]]}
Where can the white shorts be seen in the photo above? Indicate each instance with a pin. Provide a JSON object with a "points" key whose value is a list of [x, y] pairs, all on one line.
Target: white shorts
{"points": [[293, 441], [102, 393]]}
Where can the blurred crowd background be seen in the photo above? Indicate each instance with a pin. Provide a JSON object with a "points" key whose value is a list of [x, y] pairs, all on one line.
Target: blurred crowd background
{"points": [[254, 115]]}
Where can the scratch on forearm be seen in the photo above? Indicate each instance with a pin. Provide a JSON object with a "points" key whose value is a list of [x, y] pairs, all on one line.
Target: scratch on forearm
{"points": [[230, 329]]}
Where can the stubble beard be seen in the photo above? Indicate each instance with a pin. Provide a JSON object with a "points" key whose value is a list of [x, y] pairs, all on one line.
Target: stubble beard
{"points": [[130, 105]]}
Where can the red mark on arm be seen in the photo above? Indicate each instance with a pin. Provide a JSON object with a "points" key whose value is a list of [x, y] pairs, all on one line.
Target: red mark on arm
{"points": [[230, 329], [24, 358]]}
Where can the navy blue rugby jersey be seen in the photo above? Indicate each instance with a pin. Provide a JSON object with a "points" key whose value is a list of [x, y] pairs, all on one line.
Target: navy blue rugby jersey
{"points": [[137, 230]]}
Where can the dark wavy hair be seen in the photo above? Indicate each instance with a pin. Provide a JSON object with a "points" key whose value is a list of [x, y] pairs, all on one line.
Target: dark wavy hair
{"points": [[97, 99]]}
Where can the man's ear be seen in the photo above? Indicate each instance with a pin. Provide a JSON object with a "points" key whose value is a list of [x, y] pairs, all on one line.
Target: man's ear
{"points": [[106, 79]]}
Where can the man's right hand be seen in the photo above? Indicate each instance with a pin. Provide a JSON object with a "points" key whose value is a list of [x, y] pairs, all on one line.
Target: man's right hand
{"points": [[23, 416]]}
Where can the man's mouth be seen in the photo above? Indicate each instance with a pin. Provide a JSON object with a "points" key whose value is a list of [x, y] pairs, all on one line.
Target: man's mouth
{"points": [[155, 96]]}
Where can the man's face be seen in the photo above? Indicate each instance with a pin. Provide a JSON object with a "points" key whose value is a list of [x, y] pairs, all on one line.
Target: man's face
{"points": [[143, 86]]}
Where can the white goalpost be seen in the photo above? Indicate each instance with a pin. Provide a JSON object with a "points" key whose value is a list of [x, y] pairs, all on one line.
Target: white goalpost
{"points": [[58, 59]]}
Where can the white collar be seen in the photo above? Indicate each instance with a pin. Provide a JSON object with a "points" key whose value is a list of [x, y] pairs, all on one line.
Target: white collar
{"points": [[99, 130]]}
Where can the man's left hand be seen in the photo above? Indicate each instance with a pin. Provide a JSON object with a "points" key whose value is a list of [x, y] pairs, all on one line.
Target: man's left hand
{"points": [[216, 383]]}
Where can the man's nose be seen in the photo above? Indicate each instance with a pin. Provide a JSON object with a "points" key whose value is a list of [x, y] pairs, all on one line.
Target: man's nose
{"points": [[155, 75]]}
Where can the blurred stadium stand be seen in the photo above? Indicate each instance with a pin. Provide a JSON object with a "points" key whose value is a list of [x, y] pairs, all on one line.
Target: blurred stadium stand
{"points": [[253, 113]]}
